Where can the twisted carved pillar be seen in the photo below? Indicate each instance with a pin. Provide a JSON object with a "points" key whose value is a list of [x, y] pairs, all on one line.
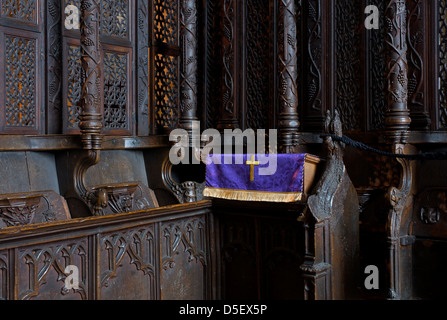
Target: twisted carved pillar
{"points": [[397, 125], [91, 119], [397, 118], [288, 74], [188, 100]]}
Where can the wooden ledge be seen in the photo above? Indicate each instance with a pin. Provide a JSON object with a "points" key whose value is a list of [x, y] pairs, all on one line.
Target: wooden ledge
{"points": [[70, 142]]}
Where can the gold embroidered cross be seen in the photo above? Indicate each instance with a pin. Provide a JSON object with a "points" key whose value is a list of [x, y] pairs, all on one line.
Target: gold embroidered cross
{"points": [[252, 165]]}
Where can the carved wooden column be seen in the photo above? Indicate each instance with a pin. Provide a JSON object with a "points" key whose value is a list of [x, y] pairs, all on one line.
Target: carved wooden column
{"points": [[188, 96], [91, 119], [397, 118], [288, 74], [228, 117], [397, 125]]}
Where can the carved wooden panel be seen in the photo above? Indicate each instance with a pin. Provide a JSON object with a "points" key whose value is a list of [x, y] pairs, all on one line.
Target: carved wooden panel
{"points": [[165, 66], [54, 66], [213, 65], [282, 255], [166, 21], [31, 208], [166, 88], [72, 87], [349, 68], [143, 66], [183, 256], [4, 269], [117, 97], [21, 66], [41, 270], [128, 264], [376, 71], [312, 38], [238, 257], [115, 20], [260, 255], [22, 10], [443, 64], [417, 31]]}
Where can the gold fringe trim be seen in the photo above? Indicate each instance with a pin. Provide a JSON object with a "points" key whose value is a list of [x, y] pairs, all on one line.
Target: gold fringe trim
{"points": [[247, 195]]}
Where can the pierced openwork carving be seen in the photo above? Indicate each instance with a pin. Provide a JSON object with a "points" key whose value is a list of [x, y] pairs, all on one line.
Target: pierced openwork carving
{"points": [[21, 105], [348, 17], [22, 10], [166, 91], [115, 91], [257, 43], [73, 86], [166, 21], [115, 18]]}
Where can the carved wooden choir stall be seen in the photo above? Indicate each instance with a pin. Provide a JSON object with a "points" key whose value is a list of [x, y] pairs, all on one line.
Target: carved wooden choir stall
{"points": [[90, 91]]}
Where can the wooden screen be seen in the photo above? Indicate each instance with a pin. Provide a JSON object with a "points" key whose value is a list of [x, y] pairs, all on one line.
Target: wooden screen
{"points": [[118, 47], [165, 65], [21, 66]]}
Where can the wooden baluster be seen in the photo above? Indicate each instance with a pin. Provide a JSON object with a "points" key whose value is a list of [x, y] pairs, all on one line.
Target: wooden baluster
{"points": [[397, 127], [397, 118], [288, 73], [91, 118], [188, 100]]}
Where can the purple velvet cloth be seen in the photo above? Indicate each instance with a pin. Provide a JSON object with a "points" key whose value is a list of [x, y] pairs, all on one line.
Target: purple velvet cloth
{"points": [[288, 176]]}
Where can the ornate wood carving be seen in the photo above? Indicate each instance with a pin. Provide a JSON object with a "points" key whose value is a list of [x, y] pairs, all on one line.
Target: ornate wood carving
{"points": [[4, 269], [184, 247], [54, 67], [119, 257], [31, 208], [376, 71], [258, 106], [189, 65], [228, 115], [288, 74], [166, 66], [416, 30], [184, 191], [442, 64], [121, 253], [143, 41], [349, 73], [397, 122], [398, 225], [40, 265], [213, 65], [327, 229], [91, 118], [312, 77]]}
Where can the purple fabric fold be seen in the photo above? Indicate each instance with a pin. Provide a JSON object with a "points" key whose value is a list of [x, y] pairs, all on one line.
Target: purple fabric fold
{"points": [[288, 176]]}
